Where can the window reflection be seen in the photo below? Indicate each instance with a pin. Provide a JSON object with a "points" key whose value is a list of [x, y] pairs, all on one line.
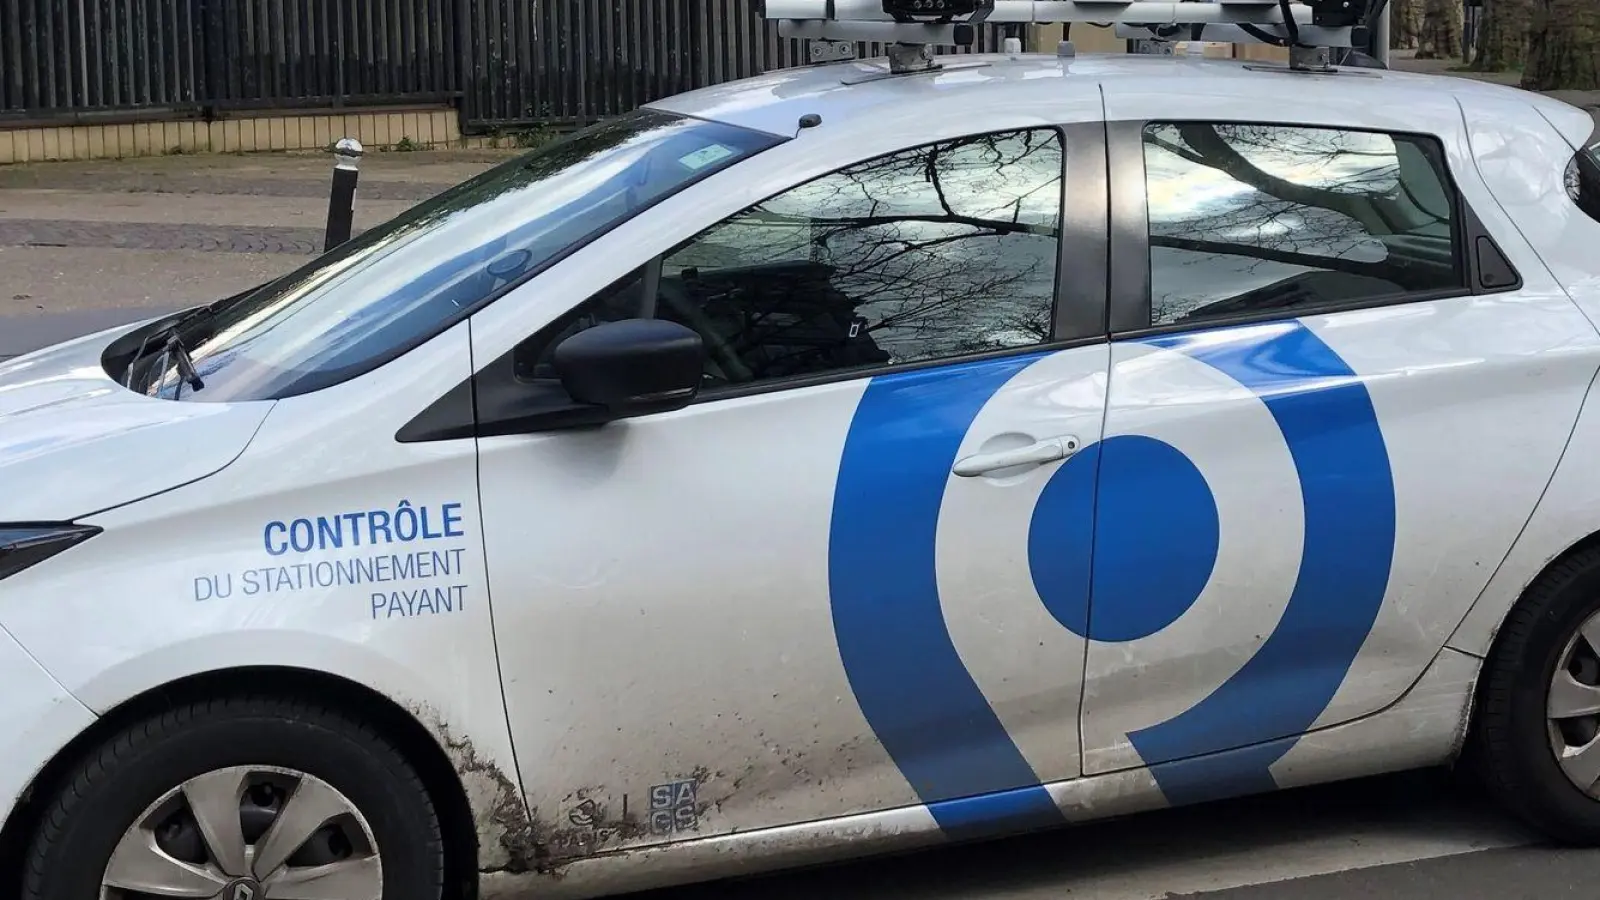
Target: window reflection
{"points": [[404, 281], [1249, 218], [938, 252]]}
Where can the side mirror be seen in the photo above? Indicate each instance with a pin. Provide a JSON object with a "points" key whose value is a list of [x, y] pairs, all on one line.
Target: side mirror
{"points": [[634, 367]]}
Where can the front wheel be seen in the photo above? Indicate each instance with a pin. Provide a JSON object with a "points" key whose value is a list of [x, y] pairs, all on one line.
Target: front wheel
{"points": [[1537, 738], [240, 799]]}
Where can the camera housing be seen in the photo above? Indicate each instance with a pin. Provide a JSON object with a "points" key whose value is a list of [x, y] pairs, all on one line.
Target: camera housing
{"points": [[1338, 13], [940, 11]]}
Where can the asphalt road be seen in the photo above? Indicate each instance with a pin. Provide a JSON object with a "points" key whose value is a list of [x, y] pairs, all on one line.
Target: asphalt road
{"points": [[1426, 835], [23, 334], [83, 248]]}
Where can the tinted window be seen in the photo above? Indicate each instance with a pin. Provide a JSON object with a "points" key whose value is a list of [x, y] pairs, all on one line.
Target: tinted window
{"points": [[1254, 218], [406, 280], [938, 252]]}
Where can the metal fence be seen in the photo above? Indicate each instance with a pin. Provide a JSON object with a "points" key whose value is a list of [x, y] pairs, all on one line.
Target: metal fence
{"points": [[76, 58], [504, 62], [577, 60]]}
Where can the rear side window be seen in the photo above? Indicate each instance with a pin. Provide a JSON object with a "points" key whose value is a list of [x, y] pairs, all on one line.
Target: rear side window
{"points": [[1248, 219], [1583, 175]]}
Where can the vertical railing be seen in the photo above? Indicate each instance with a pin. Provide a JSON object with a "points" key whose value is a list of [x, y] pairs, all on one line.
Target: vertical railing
{"points": [[69, 56], [332, 52], [506, 62]]}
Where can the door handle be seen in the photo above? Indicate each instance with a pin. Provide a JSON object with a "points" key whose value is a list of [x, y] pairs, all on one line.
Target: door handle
{"points": [[1045, 451]]}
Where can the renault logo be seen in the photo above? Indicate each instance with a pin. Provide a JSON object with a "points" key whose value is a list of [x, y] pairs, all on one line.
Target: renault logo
{"points": [[244, 890]]}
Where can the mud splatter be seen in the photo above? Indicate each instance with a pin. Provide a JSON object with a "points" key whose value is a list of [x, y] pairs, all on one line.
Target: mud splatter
{"points": [[508, 834]]}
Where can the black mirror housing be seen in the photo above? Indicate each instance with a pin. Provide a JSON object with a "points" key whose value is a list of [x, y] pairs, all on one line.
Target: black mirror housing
{"points": [[633, 367]]}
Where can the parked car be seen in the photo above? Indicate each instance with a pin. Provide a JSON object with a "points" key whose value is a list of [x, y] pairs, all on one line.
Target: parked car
{"points": [[815, 466]]}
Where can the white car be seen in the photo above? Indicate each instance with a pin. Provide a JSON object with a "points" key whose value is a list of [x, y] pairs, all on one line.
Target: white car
{"points": [[821, 465]]}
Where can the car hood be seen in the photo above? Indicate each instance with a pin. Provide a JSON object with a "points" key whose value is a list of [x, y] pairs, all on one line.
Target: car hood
{"points": [[74, 442]]}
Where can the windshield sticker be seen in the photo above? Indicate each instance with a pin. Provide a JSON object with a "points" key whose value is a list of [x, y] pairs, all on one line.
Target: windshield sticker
{"points": [[701, 158], [400, 581]]}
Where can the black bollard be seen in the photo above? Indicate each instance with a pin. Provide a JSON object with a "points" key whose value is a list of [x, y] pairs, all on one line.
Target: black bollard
{"points": [[342, 199]]}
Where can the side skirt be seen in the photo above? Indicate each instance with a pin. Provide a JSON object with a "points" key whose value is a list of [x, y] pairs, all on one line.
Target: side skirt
{"points": [[1425, 727]]}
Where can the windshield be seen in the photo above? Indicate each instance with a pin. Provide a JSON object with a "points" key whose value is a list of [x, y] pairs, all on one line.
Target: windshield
{"points": [[401, 283]]}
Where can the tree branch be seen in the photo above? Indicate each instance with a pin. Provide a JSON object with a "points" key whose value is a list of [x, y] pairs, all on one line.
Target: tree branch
{"points": [[1218, 154]]}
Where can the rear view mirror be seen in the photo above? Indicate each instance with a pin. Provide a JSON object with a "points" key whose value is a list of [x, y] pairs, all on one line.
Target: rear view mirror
{"points": [[634, 367]]}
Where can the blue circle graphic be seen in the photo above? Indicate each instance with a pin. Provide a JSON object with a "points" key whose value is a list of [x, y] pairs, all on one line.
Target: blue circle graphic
{"points": [[1155, 531], [1150, 539]]}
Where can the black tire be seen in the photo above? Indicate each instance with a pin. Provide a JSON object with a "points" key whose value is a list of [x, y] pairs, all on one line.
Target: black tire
{"points": [[118, 781], [1511, 749]]}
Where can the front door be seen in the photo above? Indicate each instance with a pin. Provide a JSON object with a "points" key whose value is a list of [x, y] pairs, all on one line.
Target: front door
{"points": [[1353, 382], [808, 595]]}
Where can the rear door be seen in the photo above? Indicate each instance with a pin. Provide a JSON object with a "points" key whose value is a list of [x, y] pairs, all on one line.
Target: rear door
{"points": [[1340, 382]]}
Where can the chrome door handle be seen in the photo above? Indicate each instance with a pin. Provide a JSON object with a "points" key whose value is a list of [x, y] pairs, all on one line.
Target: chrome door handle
{"points": [[1045, 451]]}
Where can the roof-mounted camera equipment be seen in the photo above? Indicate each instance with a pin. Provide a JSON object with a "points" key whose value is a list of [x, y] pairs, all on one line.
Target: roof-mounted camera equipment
{"points": [[1311, 29]]}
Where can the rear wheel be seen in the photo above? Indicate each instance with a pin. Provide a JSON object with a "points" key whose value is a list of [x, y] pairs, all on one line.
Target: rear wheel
{"points": [[1537, 738], [240, 799]]}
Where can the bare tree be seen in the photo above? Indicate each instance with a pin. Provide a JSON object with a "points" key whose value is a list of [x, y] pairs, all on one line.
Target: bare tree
{"points": [[1441, 30], [1502, 40], [1563, 46], [1405, 24]]}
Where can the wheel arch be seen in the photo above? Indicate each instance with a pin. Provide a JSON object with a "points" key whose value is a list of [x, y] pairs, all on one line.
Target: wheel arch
{"points": [[436, 756], [1587, 544], [1490, 644], [1481, 630]]}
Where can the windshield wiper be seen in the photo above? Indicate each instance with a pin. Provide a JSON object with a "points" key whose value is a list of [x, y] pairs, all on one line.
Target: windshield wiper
{"points": [[180, 355], [167, 336]]}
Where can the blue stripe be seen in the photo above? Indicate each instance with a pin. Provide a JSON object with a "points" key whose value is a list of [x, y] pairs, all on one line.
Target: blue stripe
{"points": [[1332, 432], [902, 665], [1221, 776], [992, 815]]}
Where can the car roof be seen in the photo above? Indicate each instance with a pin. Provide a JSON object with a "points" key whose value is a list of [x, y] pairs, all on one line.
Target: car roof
{"points": [[842, 93]]}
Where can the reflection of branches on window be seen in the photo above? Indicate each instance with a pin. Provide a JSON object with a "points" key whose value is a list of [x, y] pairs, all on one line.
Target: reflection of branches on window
{"points": [[1000, 326], [991, 176], [1260, 254], [912, 289], [934, 252], [1277, 214], [1361, 175], [1263, 220], [1329, 160], [1275, 225], [910, 324], [1042, 146], [1001, 159], [1292, 201]]}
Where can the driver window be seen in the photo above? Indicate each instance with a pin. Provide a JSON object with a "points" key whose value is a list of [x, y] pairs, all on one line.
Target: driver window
{"points": [[939, 252]]}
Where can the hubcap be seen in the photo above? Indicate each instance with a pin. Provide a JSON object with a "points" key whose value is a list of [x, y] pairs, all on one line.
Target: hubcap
{"points": [[1573, 709], [247, 833]]}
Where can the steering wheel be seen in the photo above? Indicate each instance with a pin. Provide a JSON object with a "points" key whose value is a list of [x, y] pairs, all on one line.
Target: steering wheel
{"points": [[722, 354]]}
